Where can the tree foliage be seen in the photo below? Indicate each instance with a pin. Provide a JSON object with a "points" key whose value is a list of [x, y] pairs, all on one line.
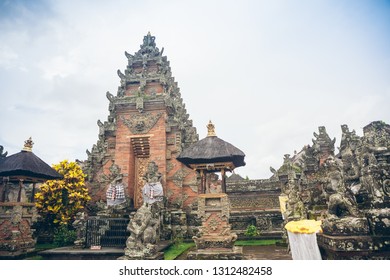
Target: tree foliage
{"points": [[59, 200]]}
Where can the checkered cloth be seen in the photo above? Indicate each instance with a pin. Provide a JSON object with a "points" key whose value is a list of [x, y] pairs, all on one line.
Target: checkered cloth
{"points": [[116, 192]]}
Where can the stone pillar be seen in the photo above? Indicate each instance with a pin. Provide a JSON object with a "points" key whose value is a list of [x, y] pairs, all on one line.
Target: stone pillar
{"points": [[215, 239]]}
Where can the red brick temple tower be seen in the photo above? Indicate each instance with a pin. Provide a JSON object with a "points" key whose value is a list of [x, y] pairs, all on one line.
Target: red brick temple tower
{"points": [[147, 122]]}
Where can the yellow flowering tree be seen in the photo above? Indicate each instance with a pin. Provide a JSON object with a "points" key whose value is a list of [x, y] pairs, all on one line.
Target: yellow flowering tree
{"points": [[59, 200]]}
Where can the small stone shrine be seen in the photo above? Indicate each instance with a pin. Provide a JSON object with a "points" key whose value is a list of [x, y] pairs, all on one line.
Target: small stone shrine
{"points": [[215, 239]]}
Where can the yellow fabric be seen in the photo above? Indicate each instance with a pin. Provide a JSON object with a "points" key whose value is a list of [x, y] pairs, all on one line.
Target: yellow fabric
{"points": [[304, 226], [283, 201]]}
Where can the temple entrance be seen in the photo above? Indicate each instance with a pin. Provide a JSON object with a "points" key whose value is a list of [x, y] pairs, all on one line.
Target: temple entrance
{"points": [[141, 151]]}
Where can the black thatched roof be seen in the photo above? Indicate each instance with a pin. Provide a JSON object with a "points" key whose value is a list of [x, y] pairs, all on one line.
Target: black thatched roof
{"points": [[235, 177], [27, 164], [211, 150]]}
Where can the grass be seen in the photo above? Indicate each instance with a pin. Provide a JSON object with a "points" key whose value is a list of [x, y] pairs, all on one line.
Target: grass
{"points": [[45, 246], [40, 247], [176, 250], [256, 242]]}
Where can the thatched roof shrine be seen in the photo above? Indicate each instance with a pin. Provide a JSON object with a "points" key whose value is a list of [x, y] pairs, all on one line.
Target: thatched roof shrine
{"points": [[212, 154], [212, 150], [27, 166]]}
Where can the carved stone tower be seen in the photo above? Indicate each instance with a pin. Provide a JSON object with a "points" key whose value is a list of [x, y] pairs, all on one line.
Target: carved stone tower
{"points": [[147, 122]]}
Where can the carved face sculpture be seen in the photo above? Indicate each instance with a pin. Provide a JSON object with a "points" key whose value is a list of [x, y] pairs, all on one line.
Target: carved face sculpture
{"points": [[344, 128], [140, 125]]}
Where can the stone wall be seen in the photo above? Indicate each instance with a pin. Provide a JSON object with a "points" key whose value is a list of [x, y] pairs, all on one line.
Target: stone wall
{"points": [[255, 202]]}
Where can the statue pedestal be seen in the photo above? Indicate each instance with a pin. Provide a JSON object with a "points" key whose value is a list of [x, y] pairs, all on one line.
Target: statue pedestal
{"points": [[215, 240], [155, 256], [359, 247], [367, 243]]}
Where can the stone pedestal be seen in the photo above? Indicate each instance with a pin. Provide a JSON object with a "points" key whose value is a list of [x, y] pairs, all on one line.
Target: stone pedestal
{"points": [[234, 253], [16, 238], [360, 238], [215, 239], [141, 256], [363, 247]]}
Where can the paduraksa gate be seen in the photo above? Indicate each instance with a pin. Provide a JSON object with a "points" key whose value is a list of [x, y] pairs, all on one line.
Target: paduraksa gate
{"points": [[147, 122]]}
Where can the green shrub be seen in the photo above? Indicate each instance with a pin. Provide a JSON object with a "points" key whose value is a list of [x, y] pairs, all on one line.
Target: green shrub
{"points": [[63, 236], [251, 231]]}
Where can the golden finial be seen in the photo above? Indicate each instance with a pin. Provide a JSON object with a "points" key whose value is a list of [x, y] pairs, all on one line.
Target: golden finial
{"points": [[28, 144], [211, 129]]}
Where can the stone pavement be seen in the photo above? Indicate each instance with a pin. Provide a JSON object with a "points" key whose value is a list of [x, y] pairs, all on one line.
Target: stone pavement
{"points": [[269, 252]]}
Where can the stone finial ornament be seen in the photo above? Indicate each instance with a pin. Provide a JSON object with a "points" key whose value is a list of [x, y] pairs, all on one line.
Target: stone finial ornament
{"points": [[211, 129], [28, 144]]}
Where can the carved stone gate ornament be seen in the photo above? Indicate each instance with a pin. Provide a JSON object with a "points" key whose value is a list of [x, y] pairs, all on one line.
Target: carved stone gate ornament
{"points": [[141, 123]]}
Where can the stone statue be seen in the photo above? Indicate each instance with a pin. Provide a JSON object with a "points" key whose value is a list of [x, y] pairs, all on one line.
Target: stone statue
{"points": [[2, 154], [137, 227], [115, 193], [152, 190], [295, 207], [145, 223], [144, 228], [80, 224], [343, 217]]}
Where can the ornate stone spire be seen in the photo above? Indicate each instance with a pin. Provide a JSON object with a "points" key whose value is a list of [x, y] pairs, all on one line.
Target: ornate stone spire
{"points": [[148, 47], [28, 144], [211, 129]]}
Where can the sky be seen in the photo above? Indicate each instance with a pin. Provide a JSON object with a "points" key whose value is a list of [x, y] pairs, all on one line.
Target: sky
{"points": [[266, 73]]}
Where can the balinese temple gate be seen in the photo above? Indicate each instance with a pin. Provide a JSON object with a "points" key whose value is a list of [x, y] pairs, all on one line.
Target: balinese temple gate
{"points": [[147, 122]]}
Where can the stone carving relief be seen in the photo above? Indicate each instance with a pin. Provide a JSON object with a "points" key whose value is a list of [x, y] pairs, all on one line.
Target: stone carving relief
{"points": [[246, 202], [141, 123], [179, 176], [141, 170]]}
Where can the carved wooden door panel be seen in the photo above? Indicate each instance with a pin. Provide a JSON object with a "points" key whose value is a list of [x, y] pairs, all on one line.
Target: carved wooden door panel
{"points": [[141, 165]]}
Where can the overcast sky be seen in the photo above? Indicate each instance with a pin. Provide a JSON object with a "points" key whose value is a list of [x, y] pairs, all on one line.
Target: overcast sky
{"points": [[267, 73]]}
